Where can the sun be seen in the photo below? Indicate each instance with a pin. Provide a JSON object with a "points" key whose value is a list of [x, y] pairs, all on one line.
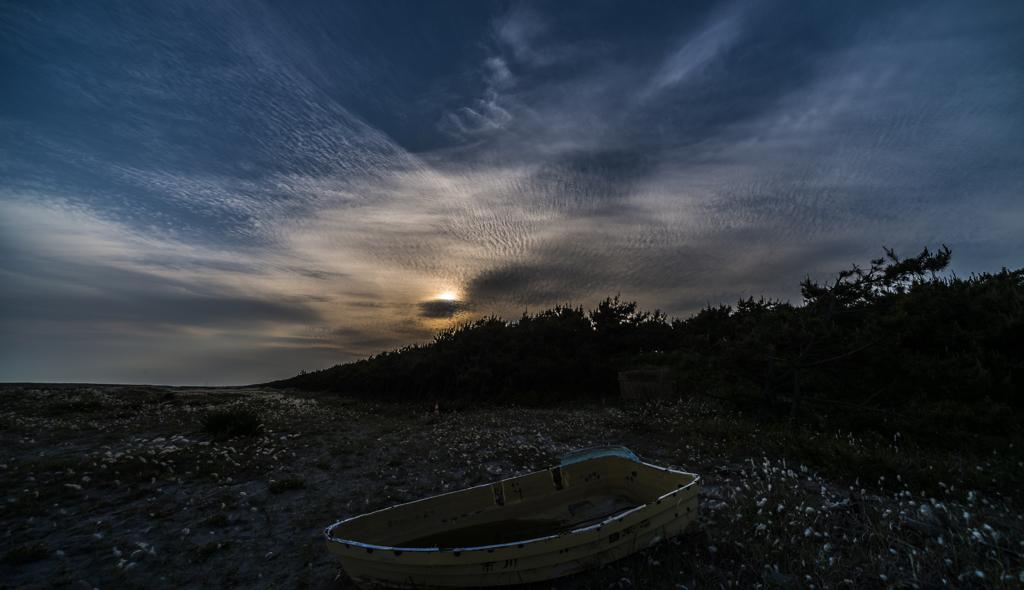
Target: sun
{"points": [[448, 296]]}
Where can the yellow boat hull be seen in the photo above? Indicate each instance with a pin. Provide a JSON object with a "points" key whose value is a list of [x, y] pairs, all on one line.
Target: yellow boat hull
{"points": [[535, 527]]}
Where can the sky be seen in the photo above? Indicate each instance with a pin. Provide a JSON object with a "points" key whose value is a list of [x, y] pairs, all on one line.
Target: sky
{"points": [[227, 193]]}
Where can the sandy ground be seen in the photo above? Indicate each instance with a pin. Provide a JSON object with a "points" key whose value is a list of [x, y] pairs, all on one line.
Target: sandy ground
{"points": [[121, 487]]}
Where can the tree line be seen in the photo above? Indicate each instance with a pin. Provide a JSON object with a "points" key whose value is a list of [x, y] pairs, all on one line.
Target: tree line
{"points": [[871, 341]]}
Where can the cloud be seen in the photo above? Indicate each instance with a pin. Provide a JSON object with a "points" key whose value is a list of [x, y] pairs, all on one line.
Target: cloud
{"points": [[441, 308], [696, 54], [486, 115], [525, 33], [498, 74], [227, 192], [65, 264]]}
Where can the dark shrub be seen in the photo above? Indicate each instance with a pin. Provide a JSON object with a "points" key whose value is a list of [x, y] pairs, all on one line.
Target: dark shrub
{"points": [[26, 554], [288, 483], [233, 423], [204, 552], [219, 520]]}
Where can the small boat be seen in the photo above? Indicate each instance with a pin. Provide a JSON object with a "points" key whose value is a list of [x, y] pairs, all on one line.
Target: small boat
{"points": [[598, 505]]}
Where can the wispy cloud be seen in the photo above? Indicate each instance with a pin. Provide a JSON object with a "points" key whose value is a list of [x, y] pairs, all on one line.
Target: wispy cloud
{"points": [[527, 35], [227, 189], [696, 53]]}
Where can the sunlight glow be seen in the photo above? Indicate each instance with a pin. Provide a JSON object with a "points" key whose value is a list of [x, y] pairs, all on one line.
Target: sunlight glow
{"points": [[449, 296]]}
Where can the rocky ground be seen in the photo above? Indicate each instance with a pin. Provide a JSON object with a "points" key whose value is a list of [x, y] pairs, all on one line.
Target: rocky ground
{"points": [[126, 487]]}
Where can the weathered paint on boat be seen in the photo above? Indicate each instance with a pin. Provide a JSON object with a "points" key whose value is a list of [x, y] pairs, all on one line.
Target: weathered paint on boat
{"points": [[597, 506]]}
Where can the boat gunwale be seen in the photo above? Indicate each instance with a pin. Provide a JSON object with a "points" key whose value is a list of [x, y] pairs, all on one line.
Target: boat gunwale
{"points": [[617, 517]]}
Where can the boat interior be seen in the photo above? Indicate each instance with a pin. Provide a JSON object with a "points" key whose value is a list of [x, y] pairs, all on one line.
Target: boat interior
{"points": [[517, 509]]}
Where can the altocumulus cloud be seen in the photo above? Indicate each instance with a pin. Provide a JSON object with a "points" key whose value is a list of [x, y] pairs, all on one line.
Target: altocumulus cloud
{"points": [[233, 192]]}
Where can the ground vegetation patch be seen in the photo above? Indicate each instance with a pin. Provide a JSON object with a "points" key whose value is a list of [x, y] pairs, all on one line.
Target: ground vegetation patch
{"points": [[127, 488]]}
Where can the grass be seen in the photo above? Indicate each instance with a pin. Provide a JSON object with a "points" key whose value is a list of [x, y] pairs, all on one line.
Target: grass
{"points": [[204, 552], [233, 423], [76, 407], [288, 483], [781, 506], [26, 554], [219, 520], [834, 510]]}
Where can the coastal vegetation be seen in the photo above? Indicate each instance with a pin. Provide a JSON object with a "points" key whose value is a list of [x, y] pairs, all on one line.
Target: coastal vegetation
{"points": [[869, 437], [136, 493], [896, 347]]}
